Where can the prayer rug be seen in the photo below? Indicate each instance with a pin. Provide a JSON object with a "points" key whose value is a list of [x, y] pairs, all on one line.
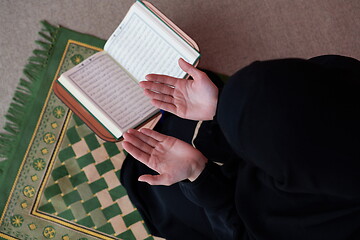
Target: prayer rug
{"points": [[58, 180]]}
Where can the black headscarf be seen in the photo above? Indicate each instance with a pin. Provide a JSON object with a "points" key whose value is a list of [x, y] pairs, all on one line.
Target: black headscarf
{"points": [[289, 116], [296, 125]]}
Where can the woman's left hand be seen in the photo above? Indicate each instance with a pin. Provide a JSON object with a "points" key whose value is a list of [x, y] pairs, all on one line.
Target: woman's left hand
{"points": [[172, 158], [194, 99]]}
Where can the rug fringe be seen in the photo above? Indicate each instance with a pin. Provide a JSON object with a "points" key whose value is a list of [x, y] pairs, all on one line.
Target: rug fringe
{"points": [[24, 96]]}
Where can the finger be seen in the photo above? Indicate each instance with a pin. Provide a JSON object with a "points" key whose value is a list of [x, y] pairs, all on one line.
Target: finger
{"points": [[160, 78], [135, 152], [158, 87], [149, 140], [164, 106], [154, 134], [155, 180], [190, 69], [159, 96], [137, 142]]}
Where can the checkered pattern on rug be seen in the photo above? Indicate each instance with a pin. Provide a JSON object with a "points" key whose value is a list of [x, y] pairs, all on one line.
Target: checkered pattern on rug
{"points": [[84, 186]]}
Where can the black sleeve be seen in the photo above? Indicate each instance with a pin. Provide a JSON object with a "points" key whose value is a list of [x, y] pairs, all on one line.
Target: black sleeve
{"points": [[214, 189], [214, 192]]}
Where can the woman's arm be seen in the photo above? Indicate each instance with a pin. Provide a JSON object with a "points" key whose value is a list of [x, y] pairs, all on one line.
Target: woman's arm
{"points": [[201, 181]]}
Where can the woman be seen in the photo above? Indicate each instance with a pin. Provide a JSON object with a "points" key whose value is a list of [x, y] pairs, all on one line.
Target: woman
{"points": [[277, 156]]}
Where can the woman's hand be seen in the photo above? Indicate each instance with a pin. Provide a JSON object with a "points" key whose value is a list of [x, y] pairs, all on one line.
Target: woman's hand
{"points": [[172, 158], [191, 99]]}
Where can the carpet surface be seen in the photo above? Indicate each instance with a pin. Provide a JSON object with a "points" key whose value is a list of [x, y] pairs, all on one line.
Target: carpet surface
{"points": [[58, 179]]}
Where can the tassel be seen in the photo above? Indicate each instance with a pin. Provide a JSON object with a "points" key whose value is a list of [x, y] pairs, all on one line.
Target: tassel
{"points": [[35, 68], [37, 59], [38, 52], [44, 36], [44, 45], [49, 28], [25, 84]]}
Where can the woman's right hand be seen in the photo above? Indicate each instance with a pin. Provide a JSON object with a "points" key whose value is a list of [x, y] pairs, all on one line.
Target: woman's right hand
{"points": [[173, 159]]}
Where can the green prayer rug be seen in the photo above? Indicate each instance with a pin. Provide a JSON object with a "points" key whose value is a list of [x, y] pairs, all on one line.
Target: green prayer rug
{"points": [[58, 180]]}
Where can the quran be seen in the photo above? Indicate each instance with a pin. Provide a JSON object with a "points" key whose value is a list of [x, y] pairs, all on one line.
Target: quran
{"points": [[103, 89]]}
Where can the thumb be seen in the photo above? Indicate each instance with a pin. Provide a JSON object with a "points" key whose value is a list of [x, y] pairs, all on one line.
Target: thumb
{"points": [[155, 179], [190, 69]]}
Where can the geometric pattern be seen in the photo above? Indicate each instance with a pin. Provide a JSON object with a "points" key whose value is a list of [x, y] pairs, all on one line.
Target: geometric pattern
{"points": [[84, 186], [68, 184]]}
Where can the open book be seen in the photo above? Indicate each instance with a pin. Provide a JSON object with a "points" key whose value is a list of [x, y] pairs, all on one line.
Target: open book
{"points": [[106, 84]]}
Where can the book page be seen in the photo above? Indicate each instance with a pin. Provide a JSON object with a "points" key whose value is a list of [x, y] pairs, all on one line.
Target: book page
{"points": [[143, 44], [109, 93]]}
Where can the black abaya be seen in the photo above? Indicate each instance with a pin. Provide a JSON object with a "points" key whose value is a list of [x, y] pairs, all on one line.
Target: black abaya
{"points": [[290, 170]]}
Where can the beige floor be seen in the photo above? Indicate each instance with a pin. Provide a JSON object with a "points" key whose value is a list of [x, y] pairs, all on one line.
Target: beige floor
{"points": [[230, 33]]}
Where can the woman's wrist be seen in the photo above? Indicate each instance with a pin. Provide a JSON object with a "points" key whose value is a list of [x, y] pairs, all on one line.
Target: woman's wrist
{"points": [[197, 168], [213, 110], [211, 107]]}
